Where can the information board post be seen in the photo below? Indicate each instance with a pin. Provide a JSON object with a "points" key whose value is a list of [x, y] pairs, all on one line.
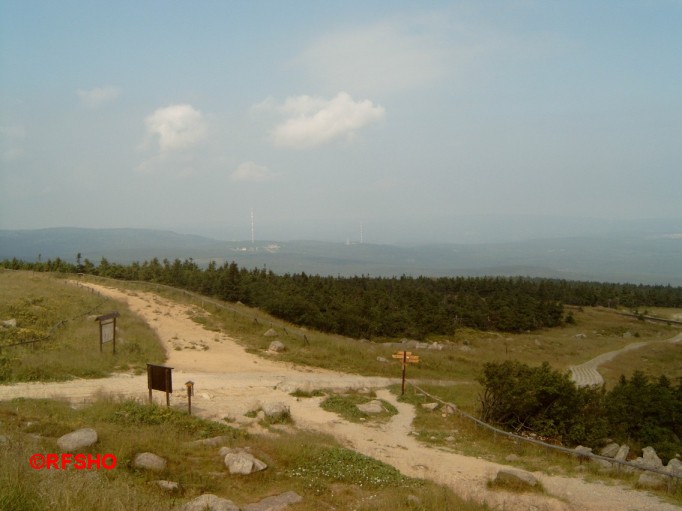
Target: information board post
{"points": [[107, 329], [160, 378]]}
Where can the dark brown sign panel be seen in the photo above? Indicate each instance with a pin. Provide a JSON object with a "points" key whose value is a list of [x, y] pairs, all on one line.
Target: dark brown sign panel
{"points": [[160, 378]]}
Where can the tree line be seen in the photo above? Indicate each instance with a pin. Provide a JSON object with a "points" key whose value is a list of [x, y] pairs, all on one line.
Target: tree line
{"points": [[638, 411], [364, 307]]}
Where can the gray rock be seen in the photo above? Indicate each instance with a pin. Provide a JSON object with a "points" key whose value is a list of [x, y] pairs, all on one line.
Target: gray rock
{"points": [[240, 461], [583, 450], [10, 323], [430, 406], [210, 442], [78, 439], [271, 333], [277, 347], [674, 467], [610, 450], [603, 464], [149, 461], [382, 360], [210, 502], [515, 476], [169, 486], [275, 503], [651, 458], [622, 453], [449, 409], [276, 411], [651, 480], [4, 439], [436, 346], [374, 406]]}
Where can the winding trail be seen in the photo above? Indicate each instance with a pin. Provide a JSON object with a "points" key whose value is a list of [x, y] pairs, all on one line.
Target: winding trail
{"points": [[587, 374], [230, 382]]}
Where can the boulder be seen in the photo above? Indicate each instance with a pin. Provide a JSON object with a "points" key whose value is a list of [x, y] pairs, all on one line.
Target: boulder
{"points": [[374, 406], [210, 502], [77, 440], [276, 411], [610, 450], [275, 503], [271, 333], [516, 477], [382, 360], [649, 459], [10, 323], [583, 451], [674, 467], [277, 347], [149, 461], [430, 406], [449, 409], [622, 453], [651, 480], [240, 461]]}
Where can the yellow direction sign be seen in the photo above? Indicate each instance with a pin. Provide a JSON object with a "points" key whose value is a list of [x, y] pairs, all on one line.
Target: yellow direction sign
{"points": [[406, 356], [401, 354]]}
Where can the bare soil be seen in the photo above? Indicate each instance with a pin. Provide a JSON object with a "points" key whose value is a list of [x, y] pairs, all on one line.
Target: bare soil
{"points": [[230, 382]]}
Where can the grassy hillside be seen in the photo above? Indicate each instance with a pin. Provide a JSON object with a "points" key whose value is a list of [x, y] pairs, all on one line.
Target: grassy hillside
{"points": [[61, 317]]}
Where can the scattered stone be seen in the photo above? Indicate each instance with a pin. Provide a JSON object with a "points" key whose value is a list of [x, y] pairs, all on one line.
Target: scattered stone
{"points": [[276, 411], [10, 323], [651, 480], [603, 464], [580, 336], [537, 342], [210, 502], [210, 442], [271, 333], [275, 503], [430, 406], [374, 406], [169, 486], [583, 450], [450, 439], [149, 461], [4, 439], [449, 409], [512, 458], [610, 450], [77, 440], [515, 476], [277, 347], [240, 461], [622, 453], [649, 459], [465, 348], [674, 466], [436, 346], [382, 360]]}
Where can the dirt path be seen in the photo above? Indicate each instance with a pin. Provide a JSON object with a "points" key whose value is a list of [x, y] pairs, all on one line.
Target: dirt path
{"points": [[587, 374], [230, 382]]}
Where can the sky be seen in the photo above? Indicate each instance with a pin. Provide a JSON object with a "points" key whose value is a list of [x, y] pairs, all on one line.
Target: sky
{"points": [[394, 121]]}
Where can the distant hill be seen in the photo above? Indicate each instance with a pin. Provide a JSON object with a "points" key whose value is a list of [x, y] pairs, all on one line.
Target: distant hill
{"points": [[625, 258]]}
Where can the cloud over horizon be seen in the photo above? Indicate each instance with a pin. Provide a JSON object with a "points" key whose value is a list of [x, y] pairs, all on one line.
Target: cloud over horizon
{"points": [[176, 127], [313, 121]]}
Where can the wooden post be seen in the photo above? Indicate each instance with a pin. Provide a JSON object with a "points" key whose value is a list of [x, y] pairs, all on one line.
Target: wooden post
{"points": [[190, 393], [404, 370]]}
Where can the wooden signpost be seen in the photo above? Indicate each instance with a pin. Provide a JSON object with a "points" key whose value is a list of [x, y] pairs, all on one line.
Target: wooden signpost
{"points": [[107, 329], [408, 358]]}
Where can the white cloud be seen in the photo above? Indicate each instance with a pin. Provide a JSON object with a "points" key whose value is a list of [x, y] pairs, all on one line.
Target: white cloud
{"points": [[94, 98], [250, 171], [313, 121], [176, 127], [388, 56]]}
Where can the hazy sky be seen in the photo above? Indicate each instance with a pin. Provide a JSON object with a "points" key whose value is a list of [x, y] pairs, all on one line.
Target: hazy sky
{"points": [[408, 118]]}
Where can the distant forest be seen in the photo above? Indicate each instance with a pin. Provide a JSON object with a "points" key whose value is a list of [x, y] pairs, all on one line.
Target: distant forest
{"points": [[364, 307]]}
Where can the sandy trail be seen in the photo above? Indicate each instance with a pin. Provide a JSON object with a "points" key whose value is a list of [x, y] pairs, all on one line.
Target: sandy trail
{"points": [[587, 374], [230, 382]]}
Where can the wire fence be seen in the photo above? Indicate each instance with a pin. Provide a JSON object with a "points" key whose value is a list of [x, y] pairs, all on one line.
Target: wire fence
{"points": [[572, 452]]}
